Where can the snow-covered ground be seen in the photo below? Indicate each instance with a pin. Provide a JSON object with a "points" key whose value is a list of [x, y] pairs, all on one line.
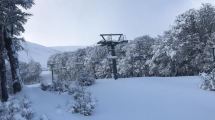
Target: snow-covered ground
{"points": [[147, 98]]}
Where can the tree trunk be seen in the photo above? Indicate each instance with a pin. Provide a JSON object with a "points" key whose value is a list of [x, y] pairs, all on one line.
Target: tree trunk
{"points": [[14, 64], [4, 93]]}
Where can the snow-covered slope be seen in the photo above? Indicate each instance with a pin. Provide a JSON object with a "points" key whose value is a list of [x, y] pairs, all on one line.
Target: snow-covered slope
{"points": [[147, 98], [36, 52], [66, 48]]}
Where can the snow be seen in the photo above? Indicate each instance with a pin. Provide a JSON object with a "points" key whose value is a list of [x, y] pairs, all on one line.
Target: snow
{"points": [[146, 98], [40, 53], [172, 53], [36, 52], [153, 99], [67, 48], [112, 57], [48, 104]]}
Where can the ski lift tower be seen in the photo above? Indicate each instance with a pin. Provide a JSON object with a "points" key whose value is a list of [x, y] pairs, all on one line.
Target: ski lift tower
{"points": [[112, 40]]}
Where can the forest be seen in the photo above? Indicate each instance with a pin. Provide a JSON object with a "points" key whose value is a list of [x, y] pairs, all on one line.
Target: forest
{"points": [[183, 50]]}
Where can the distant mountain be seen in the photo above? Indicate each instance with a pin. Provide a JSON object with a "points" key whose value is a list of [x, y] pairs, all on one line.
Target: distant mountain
{"points": [[67, 48], [36, 52]]}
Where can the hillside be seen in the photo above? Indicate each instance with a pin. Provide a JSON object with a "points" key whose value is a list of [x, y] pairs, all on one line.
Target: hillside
{"points": [[36, 52], [66, 48]]}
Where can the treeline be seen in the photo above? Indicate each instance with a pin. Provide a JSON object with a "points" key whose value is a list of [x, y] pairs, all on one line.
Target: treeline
{"points": [[183, 50]]}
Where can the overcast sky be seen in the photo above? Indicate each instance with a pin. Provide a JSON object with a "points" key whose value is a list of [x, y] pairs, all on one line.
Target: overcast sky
{"points": [[79, 22]]}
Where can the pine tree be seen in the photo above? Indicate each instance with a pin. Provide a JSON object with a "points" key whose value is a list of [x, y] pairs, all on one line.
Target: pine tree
{"points": [[12, 18]]}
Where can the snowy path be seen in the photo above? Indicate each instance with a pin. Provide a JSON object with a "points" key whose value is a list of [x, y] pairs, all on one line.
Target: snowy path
{"points": [[133, 99], [50, 104]]}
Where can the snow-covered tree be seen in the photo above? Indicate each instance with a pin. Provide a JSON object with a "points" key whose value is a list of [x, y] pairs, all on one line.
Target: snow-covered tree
{"points": [[12, 18], [208, 82], [16, 109], [185, 48], [30, 72], [84, 103], [194, 33]]}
